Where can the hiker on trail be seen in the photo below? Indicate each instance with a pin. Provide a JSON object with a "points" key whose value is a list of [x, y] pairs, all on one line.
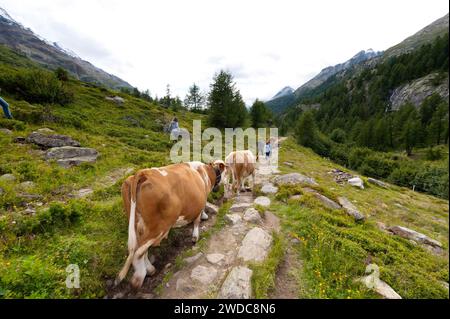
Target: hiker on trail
{"points": [[5, 107], [268, 149], [261, 148], [174, 127]]}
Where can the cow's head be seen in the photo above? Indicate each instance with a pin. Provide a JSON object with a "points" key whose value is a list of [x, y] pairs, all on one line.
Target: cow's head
{"points": [[219, 167]]}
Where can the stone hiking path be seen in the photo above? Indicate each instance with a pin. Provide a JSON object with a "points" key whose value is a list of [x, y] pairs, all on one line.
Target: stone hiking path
{"points": [[221, 269]]}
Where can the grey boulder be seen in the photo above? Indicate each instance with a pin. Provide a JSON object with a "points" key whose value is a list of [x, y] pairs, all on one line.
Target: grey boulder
{"points": [[67, 156], [52, 140], [237, 285], [294, 179]]}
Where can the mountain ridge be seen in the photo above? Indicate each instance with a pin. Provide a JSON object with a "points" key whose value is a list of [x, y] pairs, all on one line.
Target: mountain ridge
{"points": [[52, 55], [426, 35], [281, 101]]}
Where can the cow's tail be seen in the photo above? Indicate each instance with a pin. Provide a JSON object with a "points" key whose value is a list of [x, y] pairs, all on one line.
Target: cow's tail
{"points": [[132, 237]]}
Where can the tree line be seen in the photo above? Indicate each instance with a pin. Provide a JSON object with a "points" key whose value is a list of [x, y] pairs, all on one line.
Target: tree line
{"points": [[223, 104]]}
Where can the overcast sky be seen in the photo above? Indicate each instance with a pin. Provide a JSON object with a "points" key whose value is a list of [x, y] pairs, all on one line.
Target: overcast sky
{"points": [[265, 44]]}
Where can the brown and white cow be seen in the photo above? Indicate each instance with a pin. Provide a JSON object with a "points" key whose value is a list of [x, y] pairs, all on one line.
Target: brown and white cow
{"points": [[239, 165], [158, 199]]}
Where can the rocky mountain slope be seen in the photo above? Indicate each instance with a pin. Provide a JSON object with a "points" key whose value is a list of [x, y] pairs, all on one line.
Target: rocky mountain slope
{"points": [[52, 55], [417, 91], [280, 101], [426, 35], [326, 73], [287, 90], [363, 60]]}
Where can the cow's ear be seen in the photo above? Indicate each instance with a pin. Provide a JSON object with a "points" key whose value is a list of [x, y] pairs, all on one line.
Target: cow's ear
{"points": [[222, 167]]}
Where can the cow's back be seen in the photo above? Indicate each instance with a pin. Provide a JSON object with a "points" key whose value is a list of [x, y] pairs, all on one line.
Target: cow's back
{"points": [[242, 163], [164, 195]]}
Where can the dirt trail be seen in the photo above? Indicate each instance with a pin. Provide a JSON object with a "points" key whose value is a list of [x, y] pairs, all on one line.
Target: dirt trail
{"points": [[286, 285]]}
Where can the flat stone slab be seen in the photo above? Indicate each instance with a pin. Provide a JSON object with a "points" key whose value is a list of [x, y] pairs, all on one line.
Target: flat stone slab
{"points": [[5, 131], [204, 275], [288, 164], [45, 130], [211, 208], [74, 161], [377, 182], [413, 235], [194, 258], [215, 258], [65, 152], [237, 285], [255, 246], [262, 201], [323, 199], [251, 215], [350, 208], [48, 141], [84, 192], [7, 178], [294, 179], [233, 218], [67, 156], [373, 282], [26, 185], [183, 285], [269, 188], [239, 207]]}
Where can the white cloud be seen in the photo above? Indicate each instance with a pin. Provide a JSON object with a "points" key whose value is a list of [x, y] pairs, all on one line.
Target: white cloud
{"points": [[266, 44]]}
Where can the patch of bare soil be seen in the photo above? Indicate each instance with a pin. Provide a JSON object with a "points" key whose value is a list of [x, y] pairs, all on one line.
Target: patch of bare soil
{"points": [[286, 285]]}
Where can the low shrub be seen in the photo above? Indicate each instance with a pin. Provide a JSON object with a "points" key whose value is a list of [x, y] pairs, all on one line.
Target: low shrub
{"points": [[39, 86], [12, 124], [433, 154], [58, 215]]}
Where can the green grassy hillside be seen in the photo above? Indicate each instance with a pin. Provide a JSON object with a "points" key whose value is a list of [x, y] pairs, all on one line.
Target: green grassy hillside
{"points": [[36, 249], [334, 249]]}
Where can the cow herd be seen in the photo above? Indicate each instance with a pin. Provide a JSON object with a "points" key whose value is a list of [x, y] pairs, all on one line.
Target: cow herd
{"points": [[157, 199]]}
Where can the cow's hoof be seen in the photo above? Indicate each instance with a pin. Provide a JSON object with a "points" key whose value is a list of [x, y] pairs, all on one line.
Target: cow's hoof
{"points": [[136, 282], [151, 270], [117, 281], [194, 239]]}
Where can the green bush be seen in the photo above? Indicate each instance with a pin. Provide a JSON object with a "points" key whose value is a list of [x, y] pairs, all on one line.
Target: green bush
{"points": [[433, 180], [12, 124], [38, 86], [58, 215], [433, 154], [340, 154], [377, 165], [28, 171], [357, 156], [338, 135], [62, 74], [31, 277]]}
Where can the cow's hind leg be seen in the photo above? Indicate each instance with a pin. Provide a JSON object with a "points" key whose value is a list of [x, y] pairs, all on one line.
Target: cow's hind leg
{"points": [[196, 231], [140, 271], [140, 265], [253, 182], [148, 265]]}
